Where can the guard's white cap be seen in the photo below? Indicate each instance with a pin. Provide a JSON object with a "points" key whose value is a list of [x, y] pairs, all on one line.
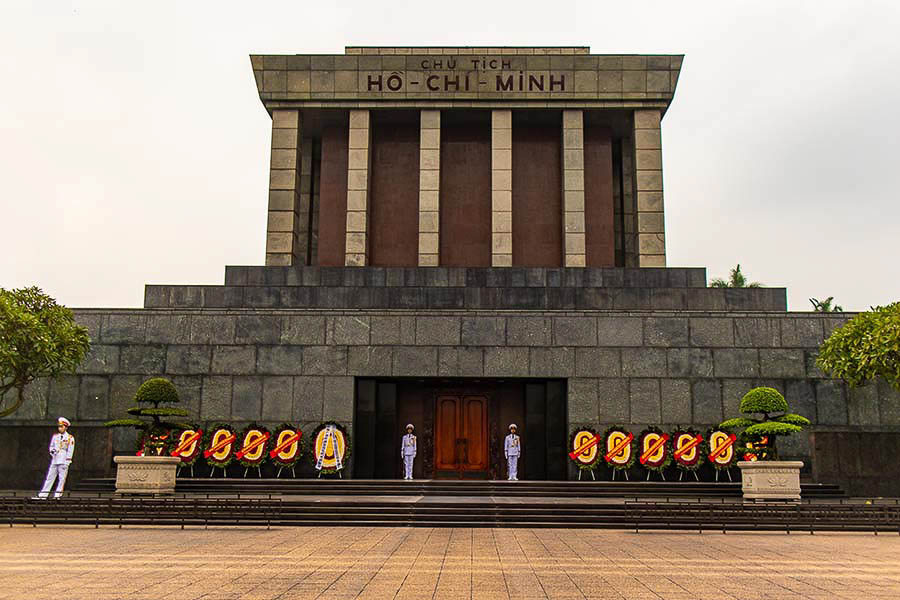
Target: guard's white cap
{"points": [[512, 426], [63, 421], [409, 426]]}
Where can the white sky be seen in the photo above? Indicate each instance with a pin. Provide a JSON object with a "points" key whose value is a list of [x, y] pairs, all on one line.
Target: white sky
{"points": [[134, 148]]}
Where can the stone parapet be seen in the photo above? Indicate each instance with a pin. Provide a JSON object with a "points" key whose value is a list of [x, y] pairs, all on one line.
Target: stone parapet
{"points": [[472, 298], [590, 277]]}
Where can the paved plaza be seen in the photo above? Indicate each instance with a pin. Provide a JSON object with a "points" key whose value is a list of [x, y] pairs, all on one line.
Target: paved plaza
{"points": [[350, 562]]}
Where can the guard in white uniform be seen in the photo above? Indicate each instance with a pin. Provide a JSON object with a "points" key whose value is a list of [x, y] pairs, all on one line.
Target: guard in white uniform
{"points": [[408, 451], [512, 448], [62, 447]]}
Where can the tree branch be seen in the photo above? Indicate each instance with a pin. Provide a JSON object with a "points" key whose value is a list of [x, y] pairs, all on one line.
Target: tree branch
{"points": [[14, 407]]}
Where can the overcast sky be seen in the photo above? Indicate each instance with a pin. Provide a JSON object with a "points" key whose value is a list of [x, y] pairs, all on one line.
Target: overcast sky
{"points": [[134, 148]]}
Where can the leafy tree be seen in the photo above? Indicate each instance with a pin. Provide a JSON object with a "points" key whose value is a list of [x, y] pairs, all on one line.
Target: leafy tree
{"points": [[38, 338], [149, 396], [825, 305], [766, 401], [736, 279], [865, 348]]}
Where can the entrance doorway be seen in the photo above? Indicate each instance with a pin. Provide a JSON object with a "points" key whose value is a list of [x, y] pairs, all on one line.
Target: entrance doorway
{"points": [[461, 440], [460, 425]]}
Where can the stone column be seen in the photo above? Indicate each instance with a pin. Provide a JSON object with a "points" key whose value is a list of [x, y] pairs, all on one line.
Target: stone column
{"points": [[573, 188], [501, 188], [282, 233], [356, 254], [429, 187], [304, 204], [629, 218], [649, 182]]}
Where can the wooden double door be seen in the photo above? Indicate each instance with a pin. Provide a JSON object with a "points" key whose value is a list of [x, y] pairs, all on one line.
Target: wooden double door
{"points": [[461, 437]]}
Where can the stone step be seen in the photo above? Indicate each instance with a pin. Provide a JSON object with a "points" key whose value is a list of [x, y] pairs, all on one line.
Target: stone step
{"points": [[466, 298], [533, 489], [590, 277]]}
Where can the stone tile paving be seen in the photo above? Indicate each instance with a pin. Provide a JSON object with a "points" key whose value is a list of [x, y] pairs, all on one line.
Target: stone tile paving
{"points": [[358, 562]]}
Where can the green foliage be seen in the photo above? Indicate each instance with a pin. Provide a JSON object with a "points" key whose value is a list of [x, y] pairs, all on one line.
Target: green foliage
{"points": [[737, 423], [793, 420], [736, 279], [38, 338], [824, 306], [772, 428], [763, 400], [165, 412], [157, 391], [760, 434], [125, 423], [865, 348], [154, 392]]}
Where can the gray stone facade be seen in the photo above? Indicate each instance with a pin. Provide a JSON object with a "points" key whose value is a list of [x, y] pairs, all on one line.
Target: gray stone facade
{"points": [[633, 367]]}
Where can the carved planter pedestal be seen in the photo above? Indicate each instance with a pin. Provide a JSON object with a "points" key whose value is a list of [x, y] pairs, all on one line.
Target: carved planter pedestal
{"points": [[770, 479], [146, 474]]}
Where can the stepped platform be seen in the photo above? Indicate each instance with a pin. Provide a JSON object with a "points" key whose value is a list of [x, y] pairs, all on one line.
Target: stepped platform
{"points": [[465, 288], [348, 488], [615, 505]]}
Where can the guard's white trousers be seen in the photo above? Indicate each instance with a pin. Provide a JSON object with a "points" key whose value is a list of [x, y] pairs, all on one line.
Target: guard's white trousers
{"points": [[512, 467], [55, 472], [408, 466]]}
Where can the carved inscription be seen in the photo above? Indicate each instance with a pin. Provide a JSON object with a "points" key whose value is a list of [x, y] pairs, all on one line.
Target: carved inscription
{"points": [[453, 75]]}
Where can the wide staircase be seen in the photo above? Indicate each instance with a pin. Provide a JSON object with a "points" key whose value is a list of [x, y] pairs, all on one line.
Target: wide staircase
{"points": [[350, 488], [352, 502]]}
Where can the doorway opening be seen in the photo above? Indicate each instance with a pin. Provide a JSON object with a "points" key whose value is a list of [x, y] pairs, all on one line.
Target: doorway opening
{"points": [[460, 426]]}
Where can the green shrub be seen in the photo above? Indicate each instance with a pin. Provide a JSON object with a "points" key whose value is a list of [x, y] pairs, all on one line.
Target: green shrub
{"points": [[865, 348], [155, 432], [763, 400], [157, 391], [760, 433]]}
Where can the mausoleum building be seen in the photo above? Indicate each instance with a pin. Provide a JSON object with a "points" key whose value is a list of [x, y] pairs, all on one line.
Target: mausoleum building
{"points": [[461, 238]]}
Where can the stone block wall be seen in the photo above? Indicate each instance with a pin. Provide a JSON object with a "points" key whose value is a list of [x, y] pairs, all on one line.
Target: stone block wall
{"points": [[638, 367]]}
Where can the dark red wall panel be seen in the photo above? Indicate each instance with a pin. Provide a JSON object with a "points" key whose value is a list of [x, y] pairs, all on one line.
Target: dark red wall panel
{"points": [[600, 241], [333, 196], [394, 192], [466, 195], [536, 196]]}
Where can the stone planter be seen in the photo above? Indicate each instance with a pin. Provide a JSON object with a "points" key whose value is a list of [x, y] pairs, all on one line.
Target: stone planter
{"points": [[146, 474], [770, 479]]}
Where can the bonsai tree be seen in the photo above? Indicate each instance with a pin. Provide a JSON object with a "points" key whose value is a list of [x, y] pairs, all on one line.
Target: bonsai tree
{"points": [[38, 338], [865, 348], [761, 432], [156, 431]]}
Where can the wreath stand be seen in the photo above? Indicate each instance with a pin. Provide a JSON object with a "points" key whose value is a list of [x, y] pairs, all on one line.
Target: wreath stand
{"points": [[728, 471], [212, 471], [181, 466], [258, 471], [681, 475], [625, 471], [580, 471], [661, 474], [293, 473], [338, 471]]}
